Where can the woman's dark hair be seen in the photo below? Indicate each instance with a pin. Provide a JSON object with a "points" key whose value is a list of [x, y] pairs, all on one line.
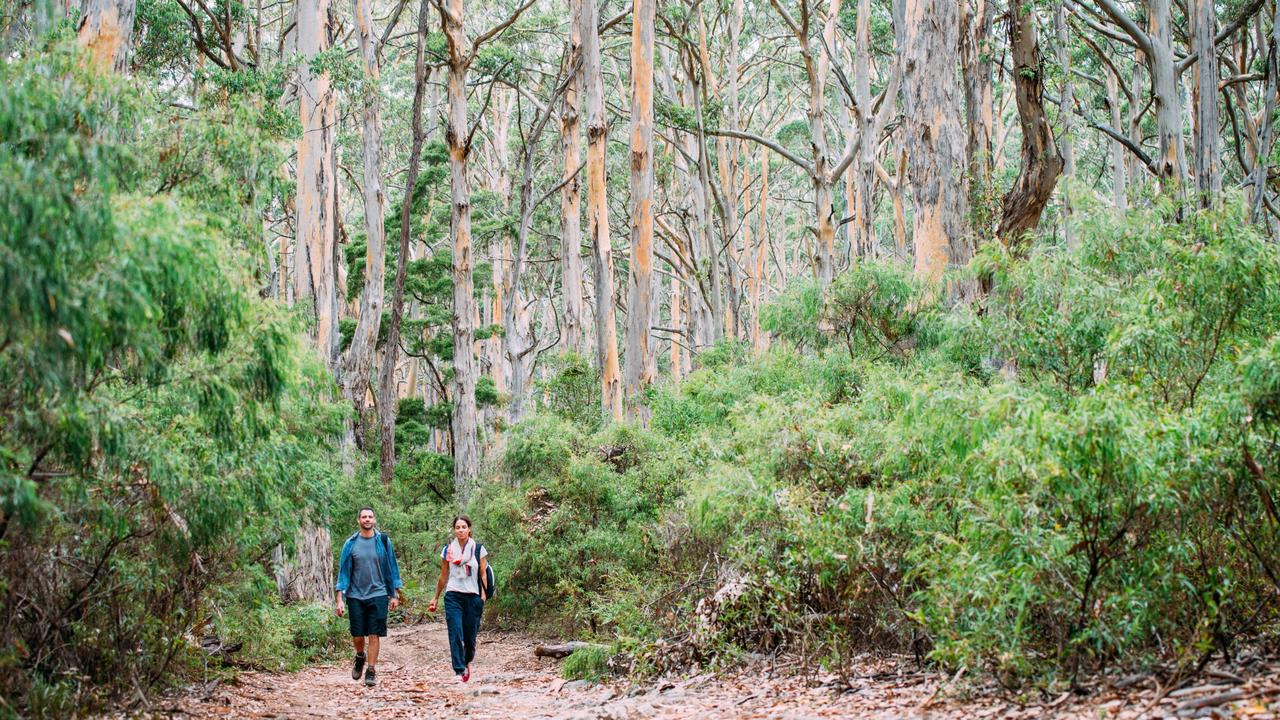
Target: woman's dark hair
{"points": [[464, 518]]}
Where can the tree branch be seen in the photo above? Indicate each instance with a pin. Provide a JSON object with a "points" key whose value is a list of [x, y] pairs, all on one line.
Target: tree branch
{"points": [[497, 29], [743, 135], [1127, 24]]}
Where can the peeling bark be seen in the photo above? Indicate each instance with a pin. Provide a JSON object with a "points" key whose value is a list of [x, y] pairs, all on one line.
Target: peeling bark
{"points": [[935, 139], [598, 215], [106, 31], [640, 369]]}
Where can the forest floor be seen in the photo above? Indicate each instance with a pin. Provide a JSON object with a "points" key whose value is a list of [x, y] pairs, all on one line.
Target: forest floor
{"points": [[508, 681]]}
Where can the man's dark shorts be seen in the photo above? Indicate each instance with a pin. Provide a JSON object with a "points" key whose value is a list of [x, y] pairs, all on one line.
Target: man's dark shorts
{"points": [[368, 617]]}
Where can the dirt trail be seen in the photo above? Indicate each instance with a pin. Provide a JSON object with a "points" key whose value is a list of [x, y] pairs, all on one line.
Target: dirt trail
{"points": [[415, 681]]}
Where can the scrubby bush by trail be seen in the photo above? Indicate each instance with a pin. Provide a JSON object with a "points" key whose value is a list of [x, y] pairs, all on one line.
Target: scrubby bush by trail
{"points": [[1076, 473], [161, 428]]}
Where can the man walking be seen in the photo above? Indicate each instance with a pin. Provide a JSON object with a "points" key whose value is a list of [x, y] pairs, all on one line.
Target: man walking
{"points": [[368, 577]]}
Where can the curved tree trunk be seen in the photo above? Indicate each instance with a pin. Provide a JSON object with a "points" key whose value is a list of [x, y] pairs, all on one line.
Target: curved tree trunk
{"points": [[1041, 161]]}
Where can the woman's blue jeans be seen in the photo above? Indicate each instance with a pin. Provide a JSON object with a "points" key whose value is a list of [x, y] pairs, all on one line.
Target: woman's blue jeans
{"points": [[462, 613]]}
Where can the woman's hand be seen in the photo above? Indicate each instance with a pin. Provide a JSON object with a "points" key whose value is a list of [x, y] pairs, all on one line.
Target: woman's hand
{"points": [[482, 597], [432, 607]]}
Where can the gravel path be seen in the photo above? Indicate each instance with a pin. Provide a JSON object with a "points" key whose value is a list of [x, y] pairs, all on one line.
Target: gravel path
{"points": [[415, 681]]}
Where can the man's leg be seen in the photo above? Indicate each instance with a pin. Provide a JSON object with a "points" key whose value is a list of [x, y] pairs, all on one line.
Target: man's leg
{"points": [[356, 617], [453, 617], [373, 650]]}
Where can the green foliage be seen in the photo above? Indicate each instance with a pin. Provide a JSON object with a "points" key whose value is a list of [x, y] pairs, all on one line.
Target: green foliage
{"points": [[163, 427], [571, 391], [590, 663], [1077, 476]]}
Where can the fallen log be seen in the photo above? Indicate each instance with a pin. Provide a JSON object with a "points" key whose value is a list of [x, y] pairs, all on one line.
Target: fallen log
{"points": [[562, 650]]}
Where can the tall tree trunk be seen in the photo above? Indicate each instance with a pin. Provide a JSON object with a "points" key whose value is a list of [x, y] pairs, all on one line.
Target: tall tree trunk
{"points": [[317, 189], [1041, 161], [499, 172], [466, 448], [1207, 145], [935, 139], [1119, 168], [1168, 105], [106, 30], [388, 404], [1258, 178], [364, 339], [640, 370], [1156, 48], [309, 574], [975, 56], [862, 229], [598, 215], [571, 193], [1066, 144]]}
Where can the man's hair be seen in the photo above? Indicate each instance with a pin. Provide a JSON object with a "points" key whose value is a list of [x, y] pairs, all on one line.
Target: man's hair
{"points": [[366, 507]]}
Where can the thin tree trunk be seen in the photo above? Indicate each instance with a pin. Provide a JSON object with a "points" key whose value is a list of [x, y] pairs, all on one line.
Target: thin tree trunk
{"points": [[640, 370], [364, 339], [1207, 144], [1066, 144], [1119, 174], [975, 57], [598, 215], [387, 396], [571, 193], [1258, 178], [466, 449]]}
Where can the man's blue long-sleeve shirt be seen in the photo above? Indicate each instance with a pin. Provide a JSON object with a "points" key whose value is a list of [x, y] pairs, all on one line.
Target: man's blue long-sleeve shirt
{"points": [[386, 556]]}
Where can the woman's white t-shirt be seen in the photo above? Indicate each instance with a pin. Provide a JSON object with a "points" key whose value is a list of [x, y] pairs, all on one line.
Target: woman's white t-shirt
{"points": [[464, 566]]}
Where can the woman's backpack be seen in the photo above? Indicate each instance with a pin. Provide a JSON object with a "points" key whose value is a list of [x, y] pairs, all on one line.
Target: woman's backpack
{"points": [[490, 587]]}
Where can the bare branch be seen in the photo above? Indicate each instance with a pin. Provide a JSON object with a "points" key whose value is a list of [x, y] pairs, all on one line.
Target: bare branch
{"points": [[743, 135], [497, 30]]}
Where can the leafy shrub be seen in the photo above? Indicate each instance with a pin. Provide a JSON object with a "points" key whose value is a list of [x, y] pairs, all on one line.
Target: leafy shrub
{"points": [[589, 663], [163, 427]]}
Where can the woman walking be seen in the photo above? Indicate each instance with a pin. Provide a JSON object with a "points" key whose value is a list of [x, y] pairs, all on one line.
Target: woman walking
{"points": [[462, 565]]}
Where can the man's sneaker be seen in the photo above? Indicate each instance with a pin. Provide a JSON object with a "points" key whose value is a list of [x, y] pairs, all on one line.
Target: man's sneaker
{"points": [[370, 677], [466, 674], [358, 667]]}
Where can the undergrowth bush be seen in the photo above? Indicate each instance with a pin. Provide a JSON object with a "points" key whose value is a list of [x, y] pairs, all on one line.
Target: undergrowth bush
{"points": [[1078, 472]]}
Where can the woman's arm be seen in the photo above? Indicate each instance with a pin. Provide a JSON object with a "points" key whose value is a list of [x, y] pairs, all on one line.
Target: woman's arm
{"points": [[484, 576], [444, 579]]}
